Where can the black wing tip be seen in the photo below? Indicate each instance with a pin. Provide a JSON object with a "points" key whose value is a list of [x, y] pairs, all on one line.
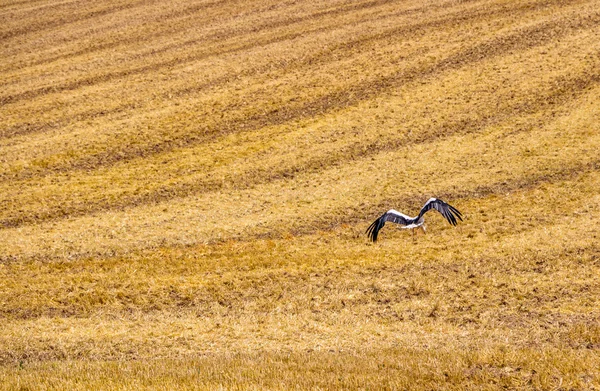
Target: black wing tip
{"points": [[370, 228], [456, 212], [374, 237], [373, 230], [451, 213]]}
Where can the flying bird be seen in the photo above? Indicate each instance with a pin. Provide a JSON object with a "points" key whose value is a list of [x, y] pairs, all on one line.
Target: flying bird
{"points": [[448, 211]]}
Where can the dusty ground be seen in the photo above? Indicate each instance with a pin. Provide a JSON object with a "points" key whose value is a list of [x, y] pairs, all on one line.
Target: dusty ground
{"points": [[184, 191]]}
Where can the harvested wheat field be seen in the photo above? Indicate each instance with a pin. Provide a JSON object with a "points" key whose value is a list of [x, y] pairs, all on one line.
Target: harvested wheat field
{"points": [[185, 188]]}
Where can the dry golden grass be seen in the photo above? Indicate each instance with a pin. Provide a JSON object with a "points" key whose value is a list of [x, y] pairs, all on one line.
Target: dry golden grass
{"points": [[184, 189]]}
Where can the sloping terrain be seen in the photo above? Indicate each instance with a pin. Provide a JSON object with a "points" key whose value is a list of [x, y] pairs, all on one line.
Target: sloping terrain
{"points": [[185, 186]]}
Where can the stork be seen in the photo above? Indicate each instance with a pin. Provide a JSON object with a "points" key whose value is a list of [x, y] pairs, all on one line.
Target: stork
{"points": [[407, 222]]}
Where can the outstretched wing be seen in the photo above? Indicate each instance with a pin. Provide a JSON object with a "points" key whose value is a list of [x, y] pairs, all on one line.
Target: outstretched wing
{"points": [[447, 210], [391, 216]]}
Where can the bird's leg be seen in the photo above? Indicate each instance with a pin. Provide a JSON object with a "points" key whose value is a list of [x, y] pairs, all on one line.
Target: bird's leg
{"points": [[414, 237]]}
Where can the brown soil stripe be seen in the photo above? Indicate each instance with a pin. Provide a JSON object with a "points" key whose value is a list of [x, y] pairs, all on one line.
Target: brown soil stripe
{"points": [[16, 3], [287, 22], [40, 127], [124, 41], [563, 92], [61, 21]]}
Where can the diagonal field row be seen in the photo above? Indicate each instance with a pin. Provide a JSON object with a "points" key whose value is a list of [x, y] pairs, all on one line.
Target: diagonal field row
{"points": [[312, 200], [195, 117], [246, 159], [207, 267]]}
